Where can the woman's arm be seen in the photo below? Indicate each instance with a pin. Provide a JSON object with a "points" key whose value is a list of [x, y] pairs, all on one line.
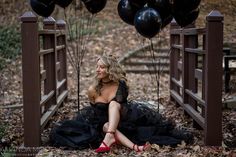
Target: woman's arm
{"points": [[91, 94]]}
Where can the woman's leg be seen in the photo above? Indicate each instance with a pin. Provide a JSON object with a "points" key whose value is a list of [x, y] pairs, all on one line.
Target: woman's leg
{"points": [[111, 126], [122, 138], [113, 118]]}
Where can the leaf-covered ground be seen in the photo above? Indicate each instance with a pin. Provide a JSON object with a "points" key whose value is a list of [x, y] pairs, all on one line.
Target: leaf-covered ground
{"points": [[116, 37]]}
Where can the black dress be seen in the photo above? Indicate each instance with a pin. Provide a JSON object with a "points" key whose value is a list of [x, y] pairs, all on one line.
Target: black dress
{"points": [[138, 121]]}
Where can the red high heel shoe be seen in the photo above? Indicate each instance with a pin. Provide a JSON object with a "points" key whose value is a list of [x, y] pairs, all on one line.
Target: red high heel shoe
{"points": [[146, 147], [106, 148]]}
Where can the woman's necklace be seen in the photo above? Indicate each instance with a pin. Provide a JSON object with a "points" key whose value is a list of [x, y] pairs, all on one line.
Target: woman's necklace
{"points": [[106, 82]]}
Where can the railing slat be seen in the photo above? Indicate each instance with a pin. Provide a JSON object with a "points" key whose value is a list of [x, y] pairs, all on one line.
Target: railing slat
{"points": [[58, 66], [51, 32], [180, 65], [180, 47], [43, 75], [194, 114], [195, 97], [195, 50], [60, 83], [198, 74], [46, 51], [194, 31], [45, 98], [59, 47], [178, 83], [176, 96]]}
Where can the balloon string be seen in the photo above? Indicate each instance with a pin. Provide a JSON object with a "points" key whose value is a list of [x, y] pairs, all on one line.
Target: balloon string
{"points": [[156, 72]]}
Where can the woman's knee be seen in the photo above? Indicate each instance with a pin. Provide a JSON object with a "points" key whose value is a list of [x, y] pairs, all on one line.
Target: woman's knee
{"points": [[105, 126]]}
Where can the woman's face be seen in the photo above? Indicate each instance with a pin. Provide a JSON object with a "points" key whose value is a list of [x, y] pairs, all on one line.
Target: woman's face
{"points": [[101, 70]]}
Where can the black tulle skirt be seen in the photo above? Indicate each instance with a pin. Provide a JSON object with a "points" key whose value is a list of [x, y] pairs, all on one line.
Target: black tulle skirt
{"points": [[139, 122]]}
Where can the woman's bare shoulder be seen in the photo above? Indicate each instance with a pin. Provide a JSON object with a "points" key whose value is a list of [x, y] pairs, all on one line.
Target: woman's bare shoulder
{"points": [[91, 93]]}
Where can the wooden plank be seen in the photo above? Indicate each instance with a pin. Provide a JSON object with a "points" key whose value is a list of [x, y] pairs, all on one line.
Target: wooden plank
{"points": [[60, 47], [230, 57], [176, 96], [195, 50], [194, 31], [18, 106], [46, 51], [198, 74], [176, 46], [43, 75], [194, 114], [45, 98], [50, 32], [180, 65], [195, 97], [50, 50], [61, 97], [46, 116], [60, 83], [58, 66], [177, 82]]}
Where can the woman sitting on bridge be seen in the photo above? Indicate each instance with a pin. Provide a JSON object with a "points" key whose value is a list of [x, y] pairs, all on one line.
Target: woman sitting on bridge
{"points": [[129, 123]]}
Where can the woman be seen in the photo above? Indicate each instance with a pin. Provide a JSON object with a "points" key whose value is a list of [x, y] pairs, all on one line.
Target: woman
{"points": [[126, 122]]}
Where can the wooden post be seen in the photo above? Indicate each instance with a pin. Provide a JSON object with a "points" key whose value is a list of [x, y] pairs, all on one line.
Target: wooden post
{"points": [[226, 70], [188, 72], [213, 78], [31, 79], [174, 57], [62, 56], [49, 60]]}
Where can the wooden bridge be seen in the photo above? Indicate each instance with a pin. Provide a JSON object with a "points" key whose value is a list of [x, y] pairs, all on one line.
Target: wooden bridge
{"points": [[45, 75]]}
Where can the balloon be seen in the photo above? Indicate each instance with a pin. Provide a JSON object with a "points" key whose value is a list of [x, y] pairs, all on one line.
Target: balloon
{"points": [[147, 22], [126, 11], [185, 5], [162, 6], [184, 20], [43, 7], [63, 3], [138, 3], [94, 6]]}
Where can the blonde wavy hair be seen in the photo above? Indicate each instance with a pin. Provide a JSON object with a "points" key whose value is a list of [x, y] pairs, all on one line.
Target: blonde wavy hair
{"points": [[114, 70]]}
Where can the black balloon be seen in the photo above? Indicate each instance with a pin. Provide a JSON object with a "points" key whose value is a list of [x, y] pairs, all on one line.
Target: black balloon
{"points": [[162, 6], [147, 22], [126, 11], [138, 3], [94, 6], [185, 6], [63, 3], [187, 18], [43, 7]]}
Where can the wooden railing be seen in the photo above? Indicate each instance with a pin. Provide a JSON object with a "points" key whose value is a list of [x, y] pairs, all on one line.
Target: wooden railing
{"points": [[196, 74], [44, 73]]}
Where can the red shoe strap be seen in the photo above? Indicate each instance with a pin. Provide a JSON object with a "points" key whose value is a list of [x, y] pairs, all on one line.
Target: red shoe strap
{"points": [[137, 150], [104, 144]]}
